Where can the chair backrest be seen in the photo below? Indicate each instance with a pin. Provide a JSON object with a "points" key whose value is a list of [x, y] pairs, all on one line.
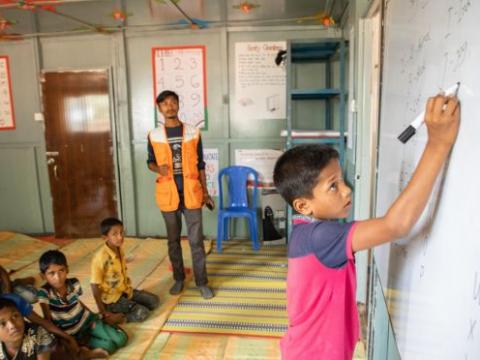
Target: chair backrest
{"points": [[237, 177]]}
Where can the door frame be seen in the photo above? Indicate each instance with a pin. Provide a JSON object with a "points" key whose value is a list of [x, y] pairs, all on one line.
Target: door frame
{"points": [[113, 128], [371, 45]]}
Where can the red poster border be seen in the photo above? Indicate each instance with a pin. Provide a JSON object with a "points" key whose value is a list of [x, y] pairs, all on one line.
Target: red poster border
{"points": [[204, 74], [9, 78]]}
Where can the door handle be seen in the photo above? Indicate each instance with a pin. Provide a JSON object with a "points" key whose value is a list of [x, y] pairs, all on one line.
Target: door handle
{"points": [[50, 161], [55, 173], [52, 153]]}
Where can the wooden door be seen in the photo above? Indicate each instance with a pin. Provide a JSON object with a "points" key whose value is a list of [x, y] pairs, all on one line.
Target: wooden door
{"points": [[79, 151]]}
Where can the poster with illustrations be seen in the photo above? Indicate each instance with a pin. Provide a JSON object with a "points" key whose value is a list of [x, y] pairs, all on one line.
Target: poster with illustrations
{"points": [[260, 84]]}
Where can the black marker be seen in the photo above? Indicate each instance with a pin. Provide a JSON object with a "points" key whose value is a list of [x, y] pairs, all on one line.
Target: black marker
{"points": [[415, 124]]}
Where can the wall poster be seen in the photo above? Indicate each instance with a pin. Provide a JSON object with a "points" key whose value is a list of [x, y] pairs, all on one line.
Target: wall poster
{"points": [[7, 117], [182, 69], [260, 84]]}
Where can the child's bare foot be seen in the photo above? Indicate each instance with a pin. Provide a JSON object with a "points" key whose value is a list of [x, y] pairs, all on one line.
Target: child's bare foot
{"points": [[86, 353], [99, 353]]}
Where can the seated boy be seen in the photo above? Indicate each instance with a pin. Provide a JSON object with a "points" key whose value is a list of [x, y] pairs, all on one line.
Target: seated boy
{"points": [[21, 340], [23, 287], [111, 287], [26, 311], [60, 302]]}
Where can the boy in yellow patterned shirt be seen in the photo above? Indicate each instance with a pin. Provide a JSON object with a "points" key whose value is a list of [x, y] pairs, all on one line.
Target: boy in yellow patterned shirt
{"points": [[115, 297]]}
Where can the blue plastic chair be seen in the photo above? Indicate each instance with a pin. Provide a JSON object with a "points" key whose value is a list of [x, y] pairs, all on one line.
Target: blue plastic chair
{"points": [[237, 202]]}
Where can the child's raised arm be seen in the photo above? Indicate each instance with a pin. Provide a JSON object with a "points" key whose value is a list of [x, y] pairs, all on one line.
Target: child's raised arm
{"points": [[442, 117], [5, 279]]}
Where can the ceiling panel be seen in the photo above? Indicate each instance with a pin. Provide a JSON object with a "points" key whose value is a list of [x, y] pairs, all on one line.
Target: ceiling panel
{"points": [[71, 15]]}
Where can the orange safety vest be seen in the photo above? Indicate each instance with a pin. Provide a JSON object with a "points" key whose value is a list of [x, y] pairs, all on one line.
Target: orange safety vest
{"points": [[166, 192]]}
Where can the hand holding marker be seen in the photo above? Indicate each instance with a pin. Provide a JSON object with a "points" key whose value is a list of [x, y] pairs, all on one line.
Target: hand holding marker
{"points": [[415, 124]]}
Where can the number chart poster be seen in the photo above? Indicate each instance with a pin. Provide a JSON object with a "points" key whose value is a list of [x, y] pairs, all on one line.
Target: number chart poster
{"points": [[182, 69], [7, 118]]}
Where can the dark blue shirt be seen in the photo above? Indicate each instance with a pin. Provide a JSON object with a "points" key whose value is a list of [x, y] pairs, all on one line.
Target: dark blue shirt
{"points": [[175, 136]]}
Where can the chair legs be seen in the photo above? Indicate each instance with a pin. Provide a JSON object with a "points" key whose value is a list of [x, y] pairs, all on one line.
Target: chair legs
{"points": [[253, 232], [219, 234], [225, 228], [222, 231]]}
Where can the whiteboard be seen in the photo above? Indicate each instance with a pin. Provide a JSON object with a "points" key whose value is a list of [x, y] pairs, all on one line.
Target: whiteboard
{"points": [[432, 278], [182, 69]]}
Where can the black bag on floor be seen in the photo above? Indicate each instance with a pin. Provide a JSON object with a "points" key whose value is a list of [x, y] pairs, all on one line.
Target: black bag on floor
{"points": [[269, 231]]}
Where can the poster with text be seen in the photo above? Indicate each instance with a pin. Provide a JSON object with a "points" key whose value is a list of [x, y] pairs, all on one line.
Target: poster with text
{"points": [[7, 117], [210, 156], [182, 70], [262, 160], [260, 85]]}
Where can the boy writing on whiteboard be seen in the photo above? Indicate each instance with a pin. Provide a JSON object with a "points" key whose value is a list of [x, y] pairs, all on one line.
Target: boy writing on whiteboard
{"points": [[321, 281]]}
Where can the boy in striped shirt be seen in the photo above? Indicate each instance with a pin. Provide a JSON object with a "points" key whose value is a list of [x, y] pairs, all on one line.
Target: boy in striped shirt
{"points": [[59, 298]]}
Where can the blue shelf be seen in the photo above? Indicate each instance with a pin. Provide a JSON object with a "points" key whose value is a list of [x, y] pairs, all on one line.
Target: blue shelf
{"points": [[313, 51], [327, 52], [314, 94], [331, 141]]}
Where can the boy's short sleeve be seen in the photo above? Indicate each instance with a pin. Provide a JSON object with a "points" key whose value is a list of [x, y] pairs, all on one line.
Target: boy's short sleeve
{"points": [[44, 341], [77, 288], [22, 305], [96, 270], [331, 243], [42, 295]]}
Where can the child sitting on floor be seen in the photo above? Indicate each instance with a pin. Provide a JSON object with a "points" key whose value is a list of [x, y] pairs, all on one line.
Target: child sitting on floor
{"points": [[21, 340], [23, 287], [26, 310], [59, 298], [111, 287]]}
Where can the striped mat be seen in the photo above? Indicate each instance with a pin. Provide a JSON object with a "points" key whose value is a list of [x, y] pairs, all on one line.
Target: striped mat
{"points": [[249, 297], [18, 251]]}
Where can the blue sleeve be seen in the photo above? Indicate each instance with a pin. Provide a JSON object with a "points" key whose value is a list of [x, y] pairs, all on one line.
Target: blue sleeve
{"points": [[329, 242], [151, 153], [201, 162], [22, 305]]}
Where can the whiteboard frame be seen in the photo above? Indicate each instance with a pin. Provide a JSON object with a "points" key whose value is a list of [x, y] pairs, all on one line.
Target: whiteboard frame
{"points": [[202, 49]]}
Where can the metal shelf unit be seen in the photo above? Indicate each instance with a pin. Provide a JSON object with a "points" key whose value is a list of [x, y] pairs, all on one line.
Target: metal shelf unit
{"points": [[327, 52]]}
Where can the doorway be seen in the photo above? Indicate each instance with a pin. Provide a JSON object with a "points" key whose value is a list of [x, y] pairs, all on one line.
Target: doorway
{"points": [[80, 156]]}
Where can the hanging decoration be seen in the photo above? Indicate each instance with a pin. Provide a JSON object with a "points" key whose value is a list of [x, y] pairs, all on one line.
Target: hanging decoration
{"points": [[5, 24], [119, 15], [246, 6], [31, 5], [321, 17]]}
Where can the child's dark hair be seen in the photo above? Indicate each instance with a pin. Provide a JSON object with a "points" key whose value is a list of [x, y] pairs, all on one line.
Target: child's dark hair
{"points": [[164, 94], [51, 257], [7, 303], [107, 224], [297, 170]]}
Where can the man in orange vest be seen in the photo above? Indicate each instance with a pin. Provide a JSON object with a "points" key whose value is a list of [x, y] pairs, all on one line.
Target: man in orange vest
{"points": [[175, 153]]}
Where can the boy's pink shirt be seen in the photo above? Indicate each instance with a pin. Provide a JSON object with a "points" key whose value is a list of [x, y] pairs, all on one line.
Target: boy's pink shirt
{"points": [[322, 309]]}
